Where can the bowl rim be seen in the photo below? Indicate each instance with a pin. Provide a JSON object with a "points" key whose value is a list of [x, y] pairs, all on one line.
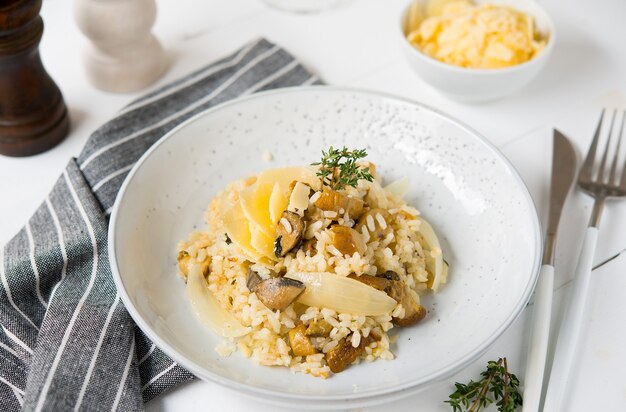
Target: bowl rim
{"points": [[406, 387], [481, 72]]}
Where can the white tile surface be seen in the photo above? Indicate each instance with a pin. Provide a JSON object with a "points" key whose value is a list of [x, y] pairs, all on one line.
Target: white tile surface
{"points": [[356, 45]]}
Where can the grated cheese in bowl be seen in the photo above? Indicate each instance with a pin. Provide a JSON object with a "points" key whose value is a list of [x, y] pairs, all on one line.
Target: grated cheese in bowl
{"points": [[485, 36]]}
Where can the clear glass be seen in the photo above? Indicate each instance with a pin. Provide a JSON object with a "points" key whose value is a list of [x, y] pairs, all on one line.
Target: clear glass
{"points": [[305, 6]]}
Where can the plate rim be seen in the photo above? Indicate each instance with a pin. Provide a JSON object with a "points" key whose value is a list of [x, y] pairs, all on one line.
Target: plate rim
{"points": [[409, 386]]}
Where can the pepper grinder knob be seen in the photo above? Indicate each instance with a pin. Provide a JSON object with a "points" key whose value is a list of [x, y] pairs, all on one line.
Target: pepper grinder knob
{"points": [[33, 116], [123, 55]]}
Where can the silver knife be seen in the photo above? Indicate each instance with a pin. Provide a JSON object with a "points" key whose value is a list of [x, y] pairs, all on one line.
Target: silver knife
{"points": [[563, 175]]}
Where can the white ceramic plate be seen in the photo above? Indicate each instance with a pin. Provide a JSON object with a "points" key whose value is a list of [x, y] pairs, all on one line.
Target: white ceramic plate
{"points": [[476, 201]]}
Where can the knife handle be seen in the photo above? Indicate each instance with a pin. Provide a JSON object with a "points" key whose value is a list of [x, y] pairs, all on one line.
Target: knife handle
{"points": [[571, 325], [538, 344]]}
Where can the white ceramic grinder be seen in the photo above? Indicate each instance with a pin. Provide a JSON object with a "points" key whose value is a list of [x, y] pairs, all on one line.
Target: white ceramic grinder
{"points": [[123, 55]]}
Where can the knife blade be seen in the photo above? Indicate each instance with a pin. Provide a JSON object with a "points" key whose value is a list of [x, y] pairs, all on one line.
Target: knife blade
{"points": [[563, 176]]}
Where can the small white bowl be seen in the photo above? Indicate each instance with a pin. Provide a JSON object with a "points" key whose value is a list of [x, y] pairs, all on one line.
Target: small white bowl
{"points": [[481, 85]]}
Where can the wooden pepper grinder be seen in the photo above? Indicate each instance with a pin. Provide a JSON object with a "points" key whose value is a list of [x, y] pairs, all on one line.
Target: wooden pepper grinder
{"points": [[123, 56], [33, 116]]}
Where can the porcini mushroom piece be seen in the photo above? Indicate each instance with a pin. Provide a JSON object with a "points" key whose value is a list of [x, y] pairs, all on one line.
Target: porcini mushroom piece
{"points": [[278, 293], [389, 282], [300, 343], [253, 280], [390, 274], [318, 328], [289, 232], [334, 201], [413, 311], [347, 240], [377, 221], [310, 247], [344, 354], [378, 283]]}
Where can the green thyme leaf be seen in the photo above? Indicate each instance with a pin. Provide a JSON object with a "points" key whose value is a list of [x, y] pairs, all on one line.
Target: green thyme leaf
{"points": [[497, 385], [339, 168]]}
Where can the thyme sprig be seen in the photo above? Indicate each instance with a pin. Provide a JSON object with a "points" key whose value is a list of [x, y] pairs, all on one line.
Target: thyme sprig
{"points": [[496, 379], [339, 168]]}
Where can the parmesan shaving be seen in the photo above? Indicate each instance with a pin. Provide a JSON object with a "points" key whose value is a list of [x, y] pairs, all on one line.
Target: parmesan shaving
{"points": [[299, 200]]}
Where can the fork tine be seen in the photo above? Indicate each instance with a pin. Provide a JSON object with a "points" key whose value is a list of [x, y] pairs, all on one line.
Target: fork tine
{"points": [[600, 175], [617, 152], [621, 134], [587, 167]]}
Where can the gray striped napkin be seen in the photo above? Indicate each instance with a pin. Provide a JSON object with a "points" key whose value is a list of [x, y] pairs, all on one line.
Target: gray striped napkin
{"points": [[67, 342]]}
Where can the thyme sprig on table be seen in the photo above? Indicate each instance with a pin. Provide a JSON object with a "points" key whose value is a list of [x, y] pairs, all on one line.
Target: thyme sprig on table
{"points": [[339, 168], [496, 379]]}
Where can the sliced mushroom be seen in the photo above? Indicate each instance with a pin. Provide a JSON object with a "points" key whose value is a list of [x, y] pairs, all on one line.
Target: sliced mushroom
{"points": [[331, 200], [344, 353], [184, 260], [299, 308], [310, 247], [390, 274], [347, 240], [278, 293], [318, 328], [389, 283], [300, 343], [378, 283], [413, 311], [376, 221], [288, 233], [253, 280]]}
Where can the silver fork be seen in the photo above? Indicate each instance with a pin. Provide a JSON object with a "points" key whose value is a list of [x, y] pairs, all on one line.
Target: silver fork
{"points": [[601, 184]]}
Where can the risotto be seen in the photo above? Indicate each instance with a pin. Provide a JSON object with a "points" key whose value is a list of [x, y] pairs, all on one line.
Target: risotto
{"points": [[310, 267]]}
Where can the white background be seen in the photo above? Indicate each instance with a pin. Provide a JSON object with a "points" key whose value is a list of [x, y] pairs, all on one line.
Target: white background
{"points": [[358, 45]]}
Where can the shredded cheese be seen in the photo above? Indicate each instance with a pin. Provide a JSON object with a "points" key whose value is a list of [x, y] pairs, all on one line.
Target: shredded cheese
{"points": [[485, 36]]}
